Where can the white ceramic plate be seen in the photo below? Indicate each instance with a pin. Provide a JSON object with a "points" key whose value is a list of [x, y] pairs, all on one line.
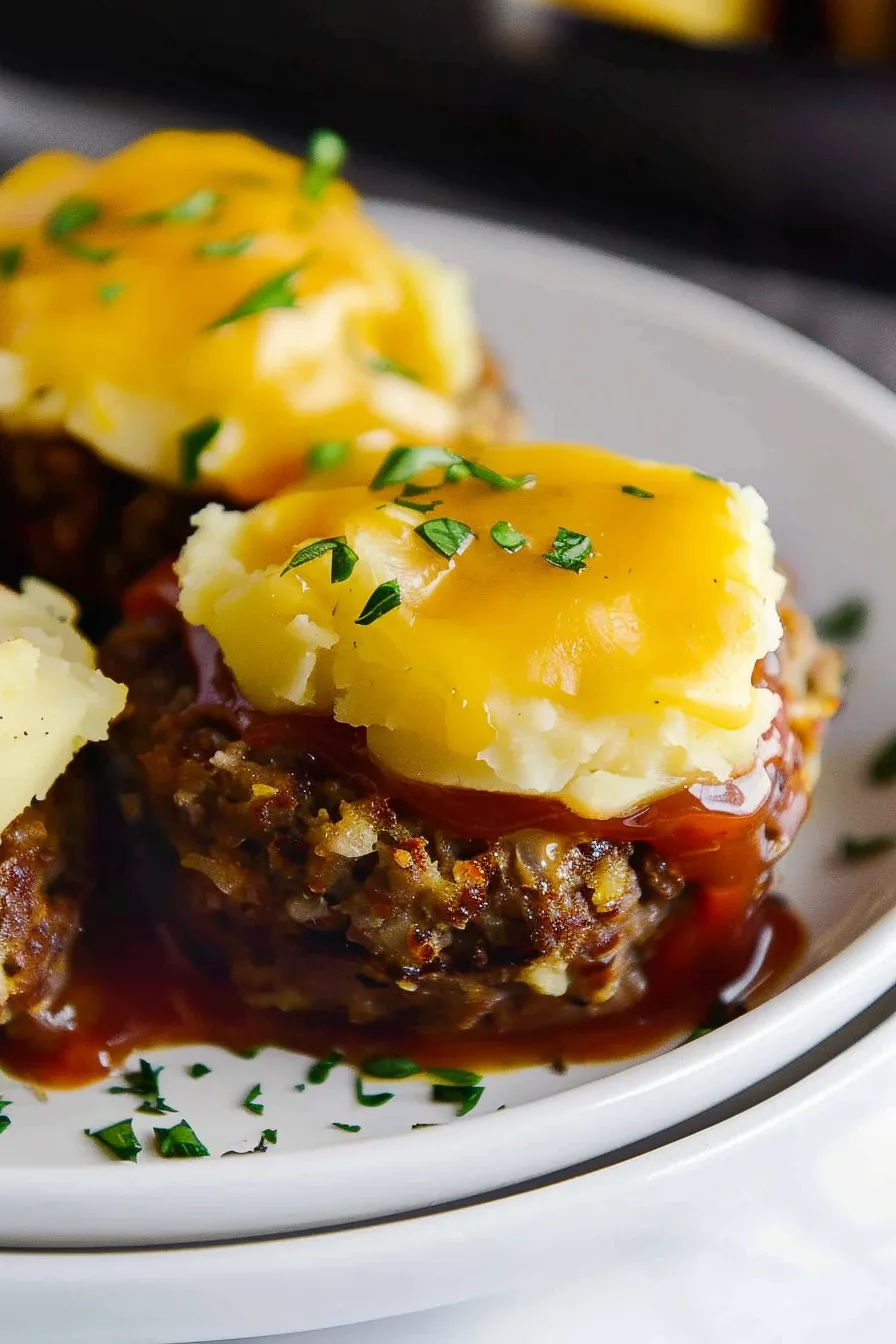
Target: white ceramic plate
{"points": [[778, 1224], [604, 352]]}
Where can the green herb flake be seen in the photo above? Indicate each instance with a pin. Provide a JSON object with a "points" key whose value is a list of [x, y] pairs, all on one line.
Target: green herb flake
{"points": [[179, 1141], [705, 476], [882, 766], [252, 1052], [342, 558], [251, 1102], [225, 247], [329, 455], [193, 443], [719, 1015], [198, 1070], [383, 599], [390, 1067], [370, 1099], [347, 1129], [67, 219], [5, 1121], [447, 536], [144, 1082], [109, 292], [465, 1098], [569, 550], [417, 505], [119, 1140], [637, 492], [197, 206], [11, 258], [321, 1069], [325, 157], [845, 622], [382, 364], [458, 1077], [402, 463], [495, 479], [424, 1124], [457, 472], [503, 534], [299, 1087], [859, 848], [411, 491], [269, 1135], [273, 293]]}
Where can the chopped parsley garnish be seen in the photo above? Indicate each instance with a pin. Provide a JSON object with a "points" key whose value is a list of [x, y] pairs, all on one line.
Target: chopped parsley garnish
{"points": [[417, 505], [390, 1066], [119, 1139], [321, 1069], [273, 293], [383, 599], [193, 443], [198, 1070], [326, 154], [845, 622], [197, 206], [342, 558], [464, 1097], [251, 1052], [459, 1077], [5, 1121], [144, 1082], [269, 1136], [299, 1087], [370, 1098], [251, 1102], [11, 258], [109, 292], [507, 537], [882, 766], [447, 536], [67, 219], [705, 476], [225, 247], [403, 463], [382, 364], [329, 455], [179, 1141], [719, 1015], [858, 848], [348, 1129], [569, 550], [637, 492], [424, 1124]]}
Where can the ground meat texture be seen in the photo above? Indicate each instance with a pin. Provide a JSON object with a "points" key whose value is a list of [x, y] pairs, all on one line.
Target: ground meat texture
{"points": [[315, 891], [44, 879]]}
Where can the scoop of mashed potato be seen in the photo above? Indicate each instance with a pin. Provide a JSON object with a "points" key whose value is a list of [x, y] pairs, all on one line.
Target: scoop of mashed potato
{"points": [[601, 651], [52, 698]]}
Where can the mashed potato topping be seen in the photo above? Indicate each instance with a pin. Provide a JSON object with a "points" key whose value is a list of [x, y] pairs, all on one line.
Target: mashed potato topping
{"points": [[593, 636], [52, 698], [201, 310]]}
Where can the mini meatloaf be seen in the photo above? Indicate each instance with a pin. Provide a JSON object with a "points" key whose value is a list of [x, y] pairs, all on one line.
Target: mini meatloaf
{"points": [[201, 317], [52, 702], [364, 827]]}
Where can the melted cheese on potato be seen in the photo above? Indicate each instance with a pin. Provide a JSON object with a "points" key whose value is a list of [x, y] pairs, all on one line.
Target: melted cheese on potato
{"points": [[606, 687], [52, 698], [117, 280]]}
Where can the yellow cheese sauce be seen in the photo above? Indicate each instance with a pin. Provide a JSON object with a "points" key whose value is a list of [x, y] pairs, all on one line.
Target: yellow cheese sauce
{"points": [[608, 684], [189, 280]]}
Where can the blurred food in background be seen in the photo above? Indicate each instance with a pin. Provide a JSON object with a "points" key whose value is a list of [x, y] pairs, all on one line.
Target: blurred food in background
{"points": [[692, 20]]}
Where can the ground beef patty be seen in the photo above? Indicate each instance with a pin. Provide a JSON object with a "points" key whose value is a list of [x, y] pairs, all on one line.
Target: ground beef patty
{"points": [[317, 891], [44, 878]]}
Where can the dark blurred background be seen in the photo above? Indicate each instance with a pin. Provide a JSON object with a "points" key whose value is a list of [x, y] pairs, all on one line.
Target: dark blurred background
{"points": [[750, 144]]}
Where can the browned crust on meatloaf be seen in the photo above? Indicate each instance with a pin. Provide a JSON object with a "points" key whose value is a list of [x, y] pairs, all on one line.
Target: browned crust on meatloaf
{"points": [[44, 879], [70, 518], [316, 892]]}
